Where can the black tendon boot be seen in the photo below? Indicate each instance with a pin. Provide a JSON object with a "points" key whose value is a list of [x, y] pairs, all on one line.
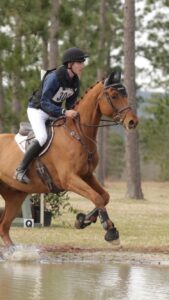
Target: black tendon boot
{"points": [[20, 173]]}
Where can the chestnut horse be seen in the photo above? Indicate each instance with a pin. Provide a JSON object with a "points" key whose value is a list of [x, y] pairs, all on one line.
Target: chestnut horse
{"points": [[71, 158]]}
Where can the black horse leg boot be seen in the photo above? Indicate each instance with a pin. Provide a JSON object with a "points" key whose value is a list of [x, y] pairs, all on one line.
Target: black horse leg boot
{"points": [[31, 153]]}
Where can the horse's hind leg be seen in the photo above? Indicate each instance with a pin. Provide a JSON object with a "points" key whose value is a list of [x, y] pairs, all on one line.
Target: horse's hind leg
{"points": [[13, 201]]}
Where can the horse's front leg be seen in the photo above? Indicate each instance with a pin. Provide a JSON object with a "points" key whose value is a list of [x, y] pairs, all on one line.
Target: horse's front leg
{"points": [[79, 186], [94, 183], [83, 220]]}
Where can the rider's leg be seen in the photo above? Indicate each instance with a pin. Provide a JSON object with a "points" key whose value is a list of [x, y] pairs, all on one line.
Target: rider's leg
{"points": [[31, 153], [37, 119]]}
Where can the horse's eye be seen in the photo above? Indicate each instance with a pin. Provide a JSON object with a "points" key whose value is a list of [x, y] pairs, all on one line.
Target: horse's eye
{"points": [[114, 97]]}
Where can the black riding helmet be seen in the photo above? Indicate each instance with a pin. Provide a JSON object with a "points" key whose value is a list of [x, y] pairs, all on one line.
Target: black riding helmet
{"points": [[73, 55]]}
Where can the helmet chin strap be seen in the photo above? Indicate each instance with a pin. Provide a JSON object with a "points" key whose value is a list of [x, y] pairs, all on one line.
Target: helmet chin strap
{"points": [[70, 68]]}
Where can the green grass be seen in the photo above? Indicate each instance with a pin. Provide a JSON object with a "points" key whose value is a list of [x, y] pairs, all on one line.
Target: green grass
{"points": [[143, 224]]}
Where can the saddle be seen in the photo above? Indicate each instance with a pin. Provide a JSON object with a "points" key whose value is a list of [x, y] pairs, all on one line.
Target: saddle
{"points": [[24, 138], [25, 135]]}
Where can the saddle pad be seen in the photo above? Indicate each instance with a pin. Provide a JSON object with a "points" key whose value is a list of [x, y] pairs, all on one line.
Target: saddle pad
{"points": [[22, 141]]}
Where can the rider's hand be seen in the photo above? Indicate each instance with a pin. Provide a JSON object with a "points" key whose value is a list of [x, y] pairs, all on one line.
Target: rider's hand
{"points": [[71, 113]]}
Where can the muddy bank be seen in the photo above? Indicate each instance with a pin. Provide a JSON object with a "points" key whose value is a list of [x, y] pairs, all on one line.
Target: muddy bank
{"points": [[116, 255]]}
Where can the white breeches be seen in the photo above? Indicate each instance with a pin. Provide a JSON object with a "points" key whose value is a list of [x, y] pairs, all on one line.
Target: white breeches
{"points": [[37, 118]]}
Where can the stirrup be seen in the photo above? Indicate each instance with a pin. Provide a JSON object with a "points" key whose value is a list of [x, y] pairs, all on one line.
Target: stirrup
{"points": [[20, 175]]}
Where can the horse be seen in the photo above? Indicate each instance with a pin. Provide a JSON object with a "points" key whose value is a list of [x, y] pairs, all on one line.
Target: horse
{"points": [[71, 158]]}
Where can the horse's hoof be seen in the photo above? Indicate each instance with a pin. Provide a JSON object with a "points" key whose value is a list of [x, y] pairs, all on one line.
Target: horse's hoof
{"points": [[79, 223], [115, 242], [112, 234]]}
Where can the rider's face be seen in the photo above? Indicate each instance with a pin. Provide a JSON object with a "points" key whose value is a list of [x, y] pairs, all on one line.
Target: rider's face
{"points": [[77, 67]]}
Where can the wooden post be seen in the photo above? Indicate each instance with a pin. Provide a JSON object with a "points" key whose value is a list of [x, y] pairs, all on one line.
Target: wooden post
{"points": [[42, 207]]}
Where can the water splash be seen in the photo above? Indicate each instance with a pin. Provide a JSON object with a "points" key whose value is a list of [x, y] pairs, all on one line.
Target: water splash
{"points": [[21, 253]]}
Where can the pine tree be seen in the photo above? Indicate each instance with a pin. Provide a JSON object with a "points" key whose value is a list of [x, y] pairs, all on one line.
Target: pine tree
{"points": [[132, 139]]}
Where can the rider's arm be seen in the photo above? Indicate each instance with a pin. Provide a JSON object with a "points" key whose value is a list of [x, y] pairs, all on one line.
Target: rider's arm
{"points": [[50, 87]]}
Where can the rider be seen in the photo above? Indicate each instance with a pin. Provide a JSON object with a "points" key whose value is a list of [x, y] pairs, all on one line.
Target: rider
{"points": [[58, 85]]}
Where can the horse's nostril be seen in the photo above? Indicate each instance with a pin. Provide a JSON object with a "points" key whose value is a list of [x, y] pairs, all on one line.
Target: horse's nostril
{"points": [[131, 124]]}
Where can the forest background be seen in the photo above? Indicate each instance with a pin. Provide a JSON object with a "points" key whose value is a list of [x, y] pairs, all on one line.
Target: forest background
{"points": [[33, 36]]}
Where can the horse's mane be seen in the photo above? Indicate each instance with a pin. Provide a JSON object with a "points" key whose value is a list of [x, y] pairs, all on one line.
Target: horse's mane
{"points": [[86, 92]]}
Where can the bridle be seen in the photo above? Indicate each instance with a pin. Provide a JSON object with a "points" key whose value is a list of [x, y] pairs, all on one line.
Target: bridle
{"points": [[119, 114], [80, 136]]}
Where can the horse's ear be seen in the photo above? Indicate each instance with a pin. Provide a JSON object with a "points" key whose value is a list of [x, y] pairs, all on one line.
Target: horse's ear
{"points": [[114, 77]]}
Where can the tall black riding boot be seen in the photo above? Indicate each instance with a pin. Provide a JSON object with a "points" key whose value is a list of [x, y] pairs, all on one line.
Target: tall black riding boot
{"points": [[20, 173]]}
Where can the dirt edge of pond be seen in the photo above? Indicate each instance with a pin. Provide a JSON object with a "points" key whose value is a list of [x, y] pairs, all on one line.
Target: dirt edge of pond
{"points": [[118, 254]]}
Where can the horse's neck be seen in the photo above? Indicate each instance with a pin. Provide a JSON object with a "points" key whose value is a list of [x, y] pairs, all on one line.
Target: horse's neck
{"points": [[88, 110]]}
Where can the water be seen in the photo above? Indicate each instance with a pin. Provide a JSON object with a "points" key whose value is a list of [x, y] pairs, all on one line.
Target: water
{"points": [[53, 279]]}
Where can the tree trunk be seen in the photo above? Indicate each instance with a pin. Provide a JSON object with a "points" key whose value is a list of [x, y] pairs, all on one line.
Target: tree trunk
{"points": [[102, 132], [16, 106], [54, 34], [45, 53], [131, 138], [1, 101]]}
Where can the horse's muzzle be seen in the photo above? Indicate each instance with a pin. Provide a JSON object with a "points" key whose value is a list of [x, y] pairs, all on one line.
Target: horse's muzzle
{"points": [[130, 123]]}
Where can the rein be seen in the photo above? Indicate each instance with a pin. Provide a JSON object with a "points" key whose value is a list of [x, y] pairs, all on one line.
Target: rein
{"points": [[118, 119], [113, 123], [79, 134]]}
